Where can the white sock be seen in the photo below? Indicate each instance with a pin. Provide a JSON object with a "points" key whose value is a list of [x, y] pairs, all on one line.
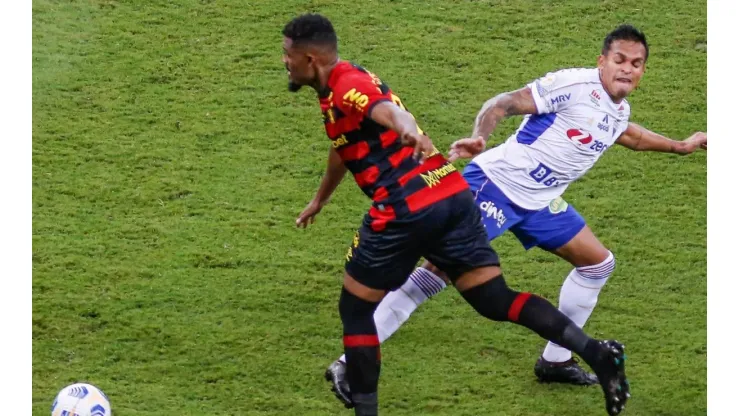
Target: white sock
{"points": [[578, 298], [398, 305]]}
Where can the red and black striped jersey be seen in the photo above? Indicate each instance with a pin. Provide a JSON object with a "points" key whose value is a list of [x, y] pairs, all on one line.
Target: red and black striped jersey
{"points": [[383, 168]]}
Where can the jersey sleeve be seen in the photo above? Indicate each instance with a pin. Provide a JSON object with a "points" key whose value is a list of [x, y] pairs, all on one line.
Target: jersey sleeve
{"points": [[554, 91], [357, 94]]}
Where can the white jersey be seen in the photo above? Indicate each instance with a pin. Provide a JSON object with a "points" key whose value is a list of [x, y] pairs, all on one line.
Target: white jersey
{"points": [[576, 122]]}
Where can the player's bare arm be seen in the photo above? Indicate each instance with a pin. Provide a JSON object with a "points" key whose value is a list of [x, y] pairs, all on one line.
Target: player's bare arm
{"points": [[335, 170], [504, 105], [639, 138], [393, 117], [518, 102]]}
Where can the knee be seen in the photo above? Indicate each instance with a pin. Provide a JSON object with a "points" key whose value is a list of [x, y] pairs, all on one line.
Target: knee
{"points": [[436, 271], [492, 299], [352, 308], [597, 274]]}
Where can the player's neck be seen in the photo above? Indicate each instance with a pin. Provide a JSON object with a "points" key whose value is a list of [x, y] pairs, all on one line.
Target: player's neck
{"points": [[615, 99], [322, 80]]}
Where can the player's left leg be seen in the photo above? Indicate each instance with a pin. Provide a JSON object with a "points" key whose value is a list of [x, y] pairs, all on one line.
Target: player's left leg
{"points": [[357, 303], [395, 309], [561, 230], [378, 261], [465, 255]]}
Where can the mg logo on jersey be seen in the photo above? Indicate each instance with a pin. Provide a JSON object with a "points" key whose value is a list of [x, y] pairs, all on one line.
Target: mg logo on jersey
{"points": [[355, 97], [491, 211], [579, 136]]}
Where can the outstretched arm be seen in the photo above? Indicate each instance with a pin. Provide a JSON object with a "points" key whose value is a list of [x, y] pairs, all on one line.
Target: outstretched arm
{"points": [[639, 138], [402, 122], [518, 102], [504, 105]]}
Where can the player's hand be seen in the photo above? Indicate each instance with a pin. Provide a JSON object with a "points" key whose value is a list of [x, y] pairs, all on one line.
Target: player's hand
{"points": [[697, 140], [467, 148], [308, 215], [423, 146]]}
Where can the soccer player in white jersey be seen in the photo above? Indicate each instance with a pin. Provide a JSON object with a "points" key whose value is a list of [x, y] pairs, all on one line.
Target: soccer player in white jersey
{"points": [[572, 117]]}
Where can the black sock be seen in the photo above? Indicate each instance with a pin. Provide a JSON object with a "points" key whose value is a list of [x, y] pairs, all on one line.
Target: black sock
{"points": [[495, 300], [365, 404], [547, 321], [362, 351]]}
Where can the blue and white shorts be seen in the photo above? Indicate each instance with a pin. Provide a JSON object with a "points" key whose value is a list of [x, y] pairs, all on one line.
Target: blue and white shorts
{"points": [[548, 228]]}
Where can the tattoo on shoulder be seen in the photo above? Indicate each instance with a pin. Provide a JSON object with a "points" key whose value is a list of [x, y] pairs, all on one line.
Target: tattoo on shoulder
{"points": [[522, 102]]}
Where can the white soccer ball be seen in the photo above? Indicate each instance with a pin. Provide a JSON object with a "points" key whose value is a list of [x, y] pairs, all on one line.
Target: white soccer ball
{"points": [[81, 399]]}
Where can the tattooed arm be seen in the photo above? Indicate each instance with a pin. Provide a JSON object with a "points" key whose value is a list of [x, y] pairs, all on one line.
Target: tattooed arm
{"points": [[507, 104]]}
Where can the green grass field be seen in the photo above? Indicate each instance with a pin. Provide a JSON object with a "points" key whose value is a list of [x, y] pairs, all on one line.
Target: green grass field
{"points": [[170, 162]]}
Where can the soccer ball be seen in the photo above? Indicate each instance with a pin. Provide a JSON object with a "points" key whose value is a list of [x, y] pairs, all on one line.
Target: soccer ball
{"points": [[81, 399]]}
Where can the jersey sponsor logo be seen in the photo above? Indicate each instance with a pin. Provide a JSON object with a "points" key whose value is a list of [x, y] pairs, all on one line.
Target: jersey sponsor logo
{"points": [[579, 136], [560, 99], [599, 146], [356, 98], [586, 138], [353, 247], [558, 205], [340, 141], [604, 125], [434, 177], [543, 174], [595, 97], [492, 211]]}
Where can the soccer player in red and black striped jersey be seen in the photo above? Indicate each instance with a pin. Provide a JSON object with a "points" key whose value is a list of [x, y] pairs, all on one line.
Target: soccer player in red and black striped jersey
{"points": [[422, 207]]}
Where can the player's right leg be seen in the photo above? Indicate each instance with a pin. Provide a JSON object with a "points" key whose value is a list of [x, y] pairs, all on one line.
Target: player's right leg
{"points": [[467, 258], [560, 229], [593, 265]]}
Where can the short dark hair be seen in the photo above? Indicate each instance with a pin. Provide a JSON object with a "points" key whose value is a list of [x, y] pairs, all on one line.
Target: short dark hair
{"points": [[625, 32], [311, 28]]}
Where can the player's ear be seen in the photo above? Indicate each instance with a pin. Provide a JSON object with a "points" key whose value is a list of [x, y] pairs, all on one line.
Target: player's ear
{"points": [[600, 60]]}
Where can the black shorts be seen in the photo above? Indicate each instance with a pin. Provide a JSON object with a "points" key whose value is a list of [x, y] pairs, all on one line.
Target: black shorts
{"points": [[450, 234]]}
